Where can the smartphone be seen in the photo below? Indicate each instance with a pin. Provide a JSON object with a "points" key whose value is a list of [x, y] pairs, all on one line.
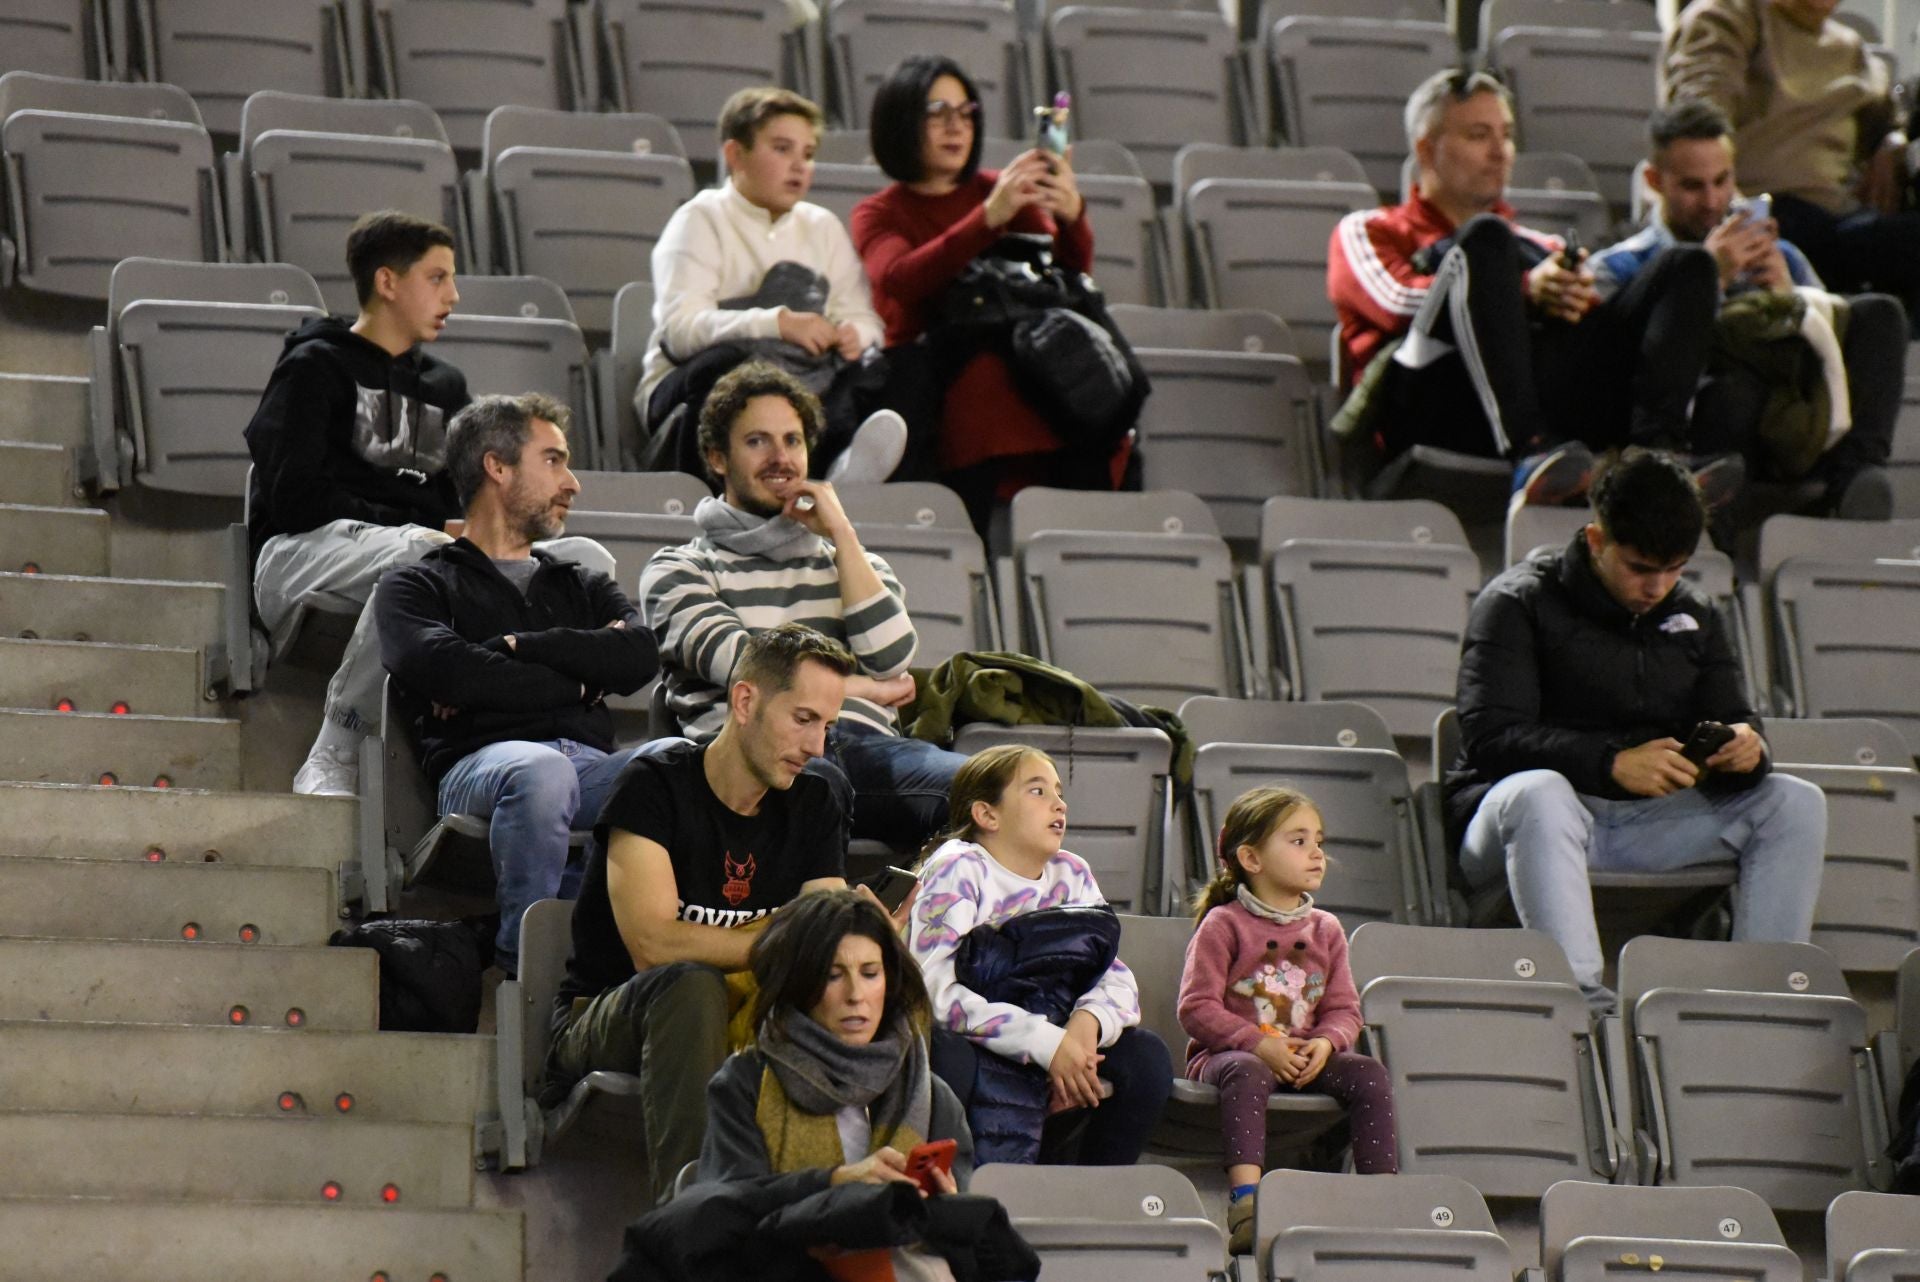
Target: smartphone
{"points": [[1051, 124], [891, 886], [1755, 209], [1707, 738], [924, 1159], [1570, 252]]}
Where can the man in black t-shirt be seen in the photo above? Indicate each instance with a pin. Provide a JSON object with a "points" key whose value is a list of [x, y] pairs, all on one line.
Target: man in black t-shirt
{"points": [[695, 842]]}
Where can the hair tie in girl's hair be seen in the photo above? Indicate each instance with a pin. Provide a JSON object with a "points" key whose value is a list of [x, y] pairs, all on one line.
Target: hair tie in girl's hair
{"points": [[1220, 843]]}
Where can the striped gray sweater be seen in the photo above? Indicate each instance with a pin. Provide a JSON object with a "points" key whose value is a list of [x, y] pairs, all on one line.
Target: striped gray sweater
{"points": [[702, 603]]}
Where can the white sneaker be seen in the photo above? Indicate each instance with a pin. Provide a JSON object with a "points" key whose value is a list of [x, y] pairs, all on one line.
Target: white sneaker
{"points": [[329, 772], [876, 449]]}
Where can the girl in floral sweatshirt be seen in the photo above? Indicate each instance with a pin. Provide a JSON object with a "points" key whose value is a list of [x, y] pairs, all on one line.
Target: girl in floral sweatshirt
{"points": [[1268, 999], [1001, 858]]}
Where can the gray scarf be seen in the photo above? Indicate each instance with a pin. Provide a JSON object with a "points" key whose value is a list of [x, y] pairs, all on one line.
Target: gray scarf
{"points": [[1261, 908], [822, 1074], [777, 538]]}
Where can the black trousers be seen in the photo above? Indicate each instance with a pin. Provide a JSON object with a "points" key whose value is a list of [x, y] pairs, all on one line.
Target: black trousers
{"points": [[1861, 250]]}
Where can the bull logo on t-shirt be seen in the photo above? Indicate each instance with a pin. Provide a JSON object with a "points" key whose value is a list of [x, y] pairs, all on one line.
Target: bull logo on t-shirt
{"points": [[739, 883]]}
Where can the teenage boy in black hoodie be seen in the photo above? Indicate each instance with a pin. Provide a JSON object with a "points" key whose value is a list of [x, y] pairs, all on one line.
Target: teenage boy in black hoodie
{"points": [[349, 450], [502, 653]]}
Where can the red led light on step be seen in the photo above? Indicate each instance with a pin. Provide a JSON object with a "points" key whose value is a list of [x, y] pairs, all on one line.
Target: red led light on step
{"points": [[248, 934], [155, 855], [343, 1102], [390, 1193], [296, 1017], [108, 779], [162, 781], [190, 931], [237, 1015], [30, 567], [330, 1190], [63, 705], [288, 1101], [379, 1275], [121, 708]]}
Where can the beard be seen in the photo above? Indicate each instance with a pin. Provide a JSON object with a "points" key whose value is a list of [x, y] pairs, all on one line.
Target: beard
{"points": [[537, 520], [751, 500]]}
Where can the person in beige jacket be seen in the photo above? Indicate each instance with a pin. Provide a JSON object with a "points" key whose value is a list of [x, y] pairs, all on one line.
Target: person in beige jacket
{"points": [[1813, 115]]}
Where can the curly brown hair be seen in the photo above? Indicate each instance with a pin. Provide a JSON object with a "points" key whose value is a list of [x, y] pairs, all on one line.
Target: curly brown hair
{"points": [[729, 397]]}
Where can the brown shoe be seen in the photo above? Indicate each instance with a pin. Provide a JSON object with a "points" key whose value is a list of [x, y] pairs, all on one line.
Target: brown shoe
{"points": [[1240, 1226]]}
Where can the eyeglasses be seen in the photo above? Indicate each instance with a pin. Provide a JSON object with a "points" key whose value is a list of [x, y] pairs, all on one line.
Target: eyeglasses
{"points": [[949, 112]]}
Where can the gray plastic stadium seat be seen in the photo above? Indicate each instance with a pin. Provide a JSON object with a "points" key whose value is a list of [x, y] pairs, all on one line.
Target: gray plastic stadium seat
{"points": [[852, 147], [871, 37], [1344, 82], [917, 503], [1129, 255], [1171, 1250], [841, 187], [1588, 1232], [943, 571], [1837, 741], [1367, 801], [309, 167], [1582, 91], [1192, 329], [222, 50], [464, 58], [1554, 190], [1117, 789], [54, 38], [1151, 79], [99, 171], [1786, 536], [1154, 949], [632, 537], [524, 1017], [650, 493], [618, 367], [1040, 507], [1904, 464], [1114, 1194], [1496, 16], [1496, 1075], [1329, 164], [1872, 1237], [1849, 633], [581, 199], [1263, 244], [513, 334], [190, 347], [1752, 1066], [1312, 1227], [1210, 719], [1868, 913], [683, 58]]}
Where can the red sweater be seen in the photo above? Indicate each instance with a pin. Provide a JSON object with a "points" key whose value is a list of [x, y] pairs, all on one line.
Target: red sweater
{"points": [[1245, 974], [913, 247]]}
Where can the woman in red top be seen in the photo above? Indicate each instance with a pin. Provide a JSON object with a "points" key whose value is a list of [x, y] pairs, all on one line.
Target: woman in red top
{"points": [[916, 236]]}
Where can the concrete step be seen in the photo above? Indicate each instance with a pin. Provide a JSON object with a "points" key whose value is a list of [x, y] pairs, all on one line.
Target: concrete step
{"points": [[45, 409], [32, 472], [264, 1072], [58, 607], [251, 829], [202, 903], [94, 676], [56, 1241], [88, 747], [53, 540], [118, 981], [248, 1159]]}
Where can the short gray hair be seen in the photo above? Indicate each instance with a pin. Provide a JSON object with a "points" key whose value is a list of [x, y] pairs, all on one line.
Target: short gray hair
{"points": [[496, 425], [1442, 89]]}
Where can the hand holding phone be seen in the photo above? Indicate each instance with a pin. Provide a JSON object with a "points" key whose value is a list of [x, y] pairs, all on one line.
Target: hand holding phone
{"points": [[891, 886], [924, 1159], [1708, 737]]}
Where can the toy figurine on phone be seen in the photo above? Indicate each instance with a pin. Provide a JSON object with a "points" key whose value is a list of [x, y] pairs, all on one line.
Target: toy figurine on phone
{"points": [[1051, 124]]}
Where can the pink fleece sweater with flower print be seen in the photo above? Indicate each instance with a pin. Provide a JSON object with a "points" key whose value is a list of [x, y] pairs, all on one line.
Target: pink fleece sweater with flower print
{"points": [[1248, 978]]}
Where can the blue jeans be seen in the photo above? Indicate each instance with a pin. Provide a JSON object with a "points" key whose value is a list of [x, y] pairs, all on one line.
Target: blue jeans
{"points": [[900, 785], [535, 794], [1546, 836]]}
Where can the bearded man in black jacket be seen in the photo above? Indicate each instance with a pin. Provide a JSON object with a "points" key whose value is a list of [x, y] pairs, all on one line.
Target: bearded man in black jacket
{"points": [[503, 654], [1582, 677]]}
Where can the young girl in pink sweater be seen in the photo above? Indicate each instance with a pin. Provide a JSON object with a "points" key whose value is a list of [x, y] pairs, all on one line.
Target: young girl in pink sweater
{"points": [[1268, 999]]}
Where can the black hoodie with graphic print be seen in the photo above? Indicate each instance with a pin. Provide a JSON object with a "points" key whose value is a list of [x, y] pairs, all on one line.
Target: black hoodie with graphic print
{"points": [[347, 432]]}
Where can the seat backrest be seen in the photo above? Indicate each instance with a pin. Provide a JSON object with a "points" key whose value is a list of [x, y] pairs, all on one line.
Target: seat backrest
{"points": [[1365, 798], [1142, 1192], [1651, 961], [1129, 263], [1165, 1250], [220, 51], [663, 58], [942, 569], [519, 297], [1482, 954], [632, 538], [1040, 507], [627, 354], [268, 109], [262, 284], [1199, 160], [511, 355], [635, 133], [1532, 525], [1373, 1207], [1584, 91], [1151, 79], [1575, 1208], [1907, 1003], [663, 493], [1552, 170], [465, 60], [840, 187], [1192, 329], [1155, 950], [871, 37], [1345, 81], [1837, 741], [1421, 521], [925, 503], [1861, 1221], [1785, 536], [1586, 212], [1868, 912], [1105, 158], [1848, 636], [1601, 15], [31, 91], [546, 941], [1213, 719], [52, 38]]}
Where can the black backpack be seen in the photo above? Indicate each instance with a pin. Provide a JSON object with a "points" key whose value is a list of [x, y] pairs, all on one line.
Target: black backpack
{"points": [[429, 970]]}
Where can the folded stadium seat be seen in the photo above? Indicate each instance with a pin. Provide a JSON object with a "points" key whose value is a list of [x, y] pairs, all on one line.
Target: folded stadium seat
{"points": [[1479, 21], [1151, 79], [868, 38], [1868, 913], [1751, 1063], [921, 530], [1312, 1227], [1107, 1223], [96, 172], [1496, 1074], [1555, 190], [524, 1020], [1154, 949], [682, 59], [1116, 781], [578, 199], [309, 167], [466, 57], [1211, 719], [1590, 1232], [1257, 23], [1837, 741], [222, 50], [1872, 1237], [1229, 422], [1584, 91], [1345, 81], [56, 38], [617, 368], [1262, 243], [513, 334]]}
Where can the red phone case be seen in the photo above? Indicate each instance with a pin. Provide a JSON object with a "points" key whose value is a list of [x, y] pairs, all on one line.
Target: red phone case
{"points": [[924, 1159]]}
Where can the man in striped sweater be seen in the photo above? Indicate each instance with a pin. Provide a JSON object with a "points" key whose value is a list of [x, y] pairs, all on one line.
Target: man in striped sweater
{"points": [[778, 548]]}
